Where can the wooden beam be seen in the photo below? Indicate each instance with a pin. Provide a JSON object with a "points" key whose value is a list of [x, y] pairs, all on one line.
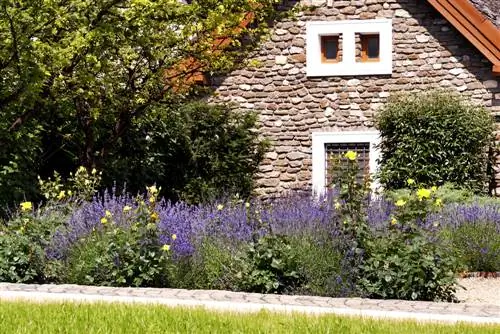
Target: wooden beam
{"points": [[473, 26]]}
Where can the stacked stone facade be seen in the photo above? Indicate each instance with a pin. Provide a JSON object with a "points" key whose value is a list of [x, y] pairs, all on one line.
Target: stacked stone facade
{"points": [[428, 53]]}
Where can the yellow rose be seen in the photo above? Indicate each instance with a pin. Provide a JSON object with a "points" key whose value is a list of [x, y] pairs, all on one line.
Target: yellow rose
{"points": [[423, 193], [351, 155], [154, 216], [26, 206], [152, 190], [61, 195], [400, 202]]}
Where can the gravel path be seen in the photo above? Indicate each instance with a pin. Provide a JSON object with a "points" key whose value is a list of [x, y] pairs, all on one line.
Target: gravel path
{"points": [[479, 290]]}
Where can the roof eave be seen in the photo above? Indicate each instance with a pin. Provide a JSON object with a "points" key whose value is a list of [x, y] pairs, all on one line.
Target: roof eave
{"points": [[483, 34]]}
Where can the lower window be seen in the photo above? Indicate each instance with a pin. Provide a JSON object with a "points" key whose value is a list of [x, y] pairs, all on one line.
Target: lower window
{"points": [[326, 145]]}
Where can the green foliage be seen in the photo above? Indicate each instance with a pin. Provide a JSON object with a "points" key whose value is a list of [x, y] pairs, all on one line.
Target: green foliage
{"points": [[434, 138], [321, 266], [80, 186], [398, 267], [269, 266], [195, 151], [476, 245], [351, 198], [213, 266], [22, 242], [405, 262], [122, 255], [76, 75]]}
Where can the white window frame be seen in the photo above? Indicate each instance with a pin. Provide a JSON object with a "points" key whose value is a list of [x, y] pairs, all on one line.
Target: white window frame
{"points": [[348, 64], [320, 139]]}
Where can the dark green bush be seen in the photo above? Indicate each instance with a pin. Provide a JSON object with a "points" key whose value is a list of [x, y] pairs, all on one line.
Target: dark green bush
{"points": [[194, 151], [434, 138]]}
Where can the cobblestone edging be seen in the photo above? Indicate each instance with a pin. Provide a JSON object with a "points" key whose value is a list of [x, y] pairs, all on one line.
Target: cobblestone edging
{"points": [[481, 274], [247, 302]]}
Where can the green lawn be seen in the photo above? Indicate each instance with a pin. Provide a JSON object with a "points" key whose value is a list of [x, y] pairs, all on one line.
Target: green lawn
{"points": [[22, 317]]}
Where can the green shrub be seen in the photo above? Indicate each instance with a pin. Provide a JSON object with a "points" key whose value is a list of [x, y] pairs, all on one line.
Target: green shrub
{"points": [[321, 266], [407, 261], [476, 245], [269, 266], [22, 242], [434, 138], [213, 266], [123, 255], [194, 151]]}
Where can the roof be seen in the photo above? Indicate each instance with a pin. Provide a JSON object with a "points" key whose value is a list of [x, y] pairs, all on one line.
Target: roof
{"points": [[470, 18], [490, 9]]}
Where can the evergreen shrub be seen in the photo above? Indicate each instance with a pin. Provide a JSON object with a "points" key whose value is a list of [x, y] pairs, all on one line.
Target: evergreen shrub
{"points": [[433, 138]]}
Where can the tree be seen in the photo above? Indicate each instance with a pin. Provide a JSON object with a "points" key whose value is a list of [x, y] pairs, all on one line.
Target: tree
{"points": [[74, 74]]}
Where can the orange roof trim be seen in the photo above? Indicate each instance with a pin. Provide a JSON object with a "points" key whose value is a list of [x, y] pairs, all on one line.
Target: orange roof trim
{"points": [[474, 26]]}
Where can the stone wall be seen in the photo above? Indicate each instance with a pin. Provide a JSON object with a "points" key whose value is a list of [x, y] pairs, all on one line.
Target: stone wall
{"points": [[427, 53]]}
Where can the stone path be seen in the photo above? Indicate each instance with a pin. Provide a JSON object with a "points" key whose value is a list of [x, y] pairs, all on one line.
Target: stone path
{"points": [[247, 302]]}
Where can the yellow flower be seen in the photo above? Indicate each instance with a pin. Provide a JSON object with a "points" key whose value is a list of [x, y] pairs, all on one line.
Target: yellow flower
{"points": [[410, 182], [438, 202], [127, 208], [152, 190], [152, 199], [351, 155], [154, 216], [400, 202], [434, 188], [94, 171], [108, 214], [394, 221], [81, 169], [104, 221], [61, 195], [220, 207], [247, 205], [174, 236], [337, 205], [165, 248], [70, 193], [423, 193], [26, 206]]}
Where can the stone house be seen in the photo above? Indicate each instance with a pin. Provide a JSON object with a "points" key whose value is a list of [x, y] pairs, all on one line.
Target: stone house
{"points": [[318, 81]]}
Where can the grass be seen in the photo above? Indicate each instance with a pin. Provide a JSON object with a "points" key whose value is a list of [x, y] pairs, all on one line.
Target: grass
{"points": [[24, 317]]}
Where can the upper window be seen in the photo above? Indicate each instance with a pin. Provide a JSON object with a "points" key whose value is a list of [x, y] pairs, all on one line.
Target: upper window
{"points": [[370, 47], [355, 47], [330, 49]]}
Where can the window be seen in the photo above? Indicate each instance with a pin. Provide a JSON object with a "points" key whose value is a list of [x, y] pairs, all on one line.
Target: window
{"points": [[334, 150], [330, 49], [352, 47], [328, 144], [370, 47]]}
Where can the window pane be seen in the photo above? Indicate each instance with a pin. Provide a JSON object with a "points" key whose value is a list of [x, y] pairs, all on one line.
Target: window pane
{"points": [[334, 150], [331, 48], [373, 48]]}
